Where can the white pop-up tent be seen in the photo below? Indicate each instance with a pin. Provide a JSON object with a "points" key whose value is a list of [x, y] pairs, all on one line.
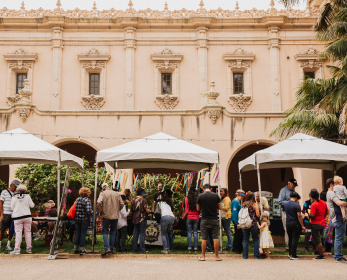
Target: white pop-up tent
{"points": [[302, 151], [18, 147], [157, 151]]}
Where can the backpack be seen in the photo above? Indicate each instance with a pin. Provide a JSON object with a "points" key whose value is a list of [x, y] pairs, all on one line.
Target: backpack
{"points": [[245, 221]]}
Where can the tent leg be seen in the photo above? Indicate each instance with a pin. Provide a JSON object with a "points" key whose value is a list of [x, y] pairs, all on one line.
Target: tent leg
{"points": [[240, 179], [94, 218], [82, 178], [58, 182], [220, 218], [259, 185]]}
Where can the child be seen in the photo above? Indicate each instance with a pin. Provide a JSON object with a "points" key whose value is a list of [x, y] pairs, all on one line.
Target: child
{"points": [[122, 227], [341, 192], [265, 235]]}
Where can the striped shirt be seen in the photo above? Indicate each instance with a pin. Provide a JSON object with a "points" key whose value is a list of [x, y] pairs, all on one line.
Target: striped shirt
{"points": [[6, 198]]}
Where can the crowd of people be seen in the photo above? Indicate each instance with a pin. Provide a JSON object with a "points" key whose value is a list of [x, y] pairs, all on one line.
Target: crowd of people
{"points": [[321, 215]]}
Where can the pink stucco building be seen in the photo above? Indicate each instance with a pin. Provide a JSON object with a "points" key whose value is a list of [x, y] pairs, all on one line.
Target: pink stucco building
{"points": [[103, 78]]}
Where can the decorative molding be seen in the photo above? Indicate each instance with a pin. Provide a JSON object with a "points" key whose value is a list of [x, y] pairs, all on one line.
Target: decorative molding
{"points": [[20, 55], [20, 65], [239, 64], [313, 12], [214, 115], [310, 50], [311, 64], [94, 55], [166, 51], [238, 51], [166, 102], [239, 54], [24, 113], [94, 65], [93, 102], [166, 65], [240, 102], [212, 95]]}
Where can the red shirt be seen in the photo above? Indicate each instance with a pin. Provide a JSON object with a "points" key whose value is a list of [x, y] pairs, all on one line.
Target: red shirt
{"points": [[191, 214], [318, 209]]}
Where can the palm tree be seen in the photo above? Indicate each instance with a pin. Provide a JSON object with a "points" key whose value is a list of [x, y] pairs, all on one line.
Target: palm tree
{"points": [[321, 104]]}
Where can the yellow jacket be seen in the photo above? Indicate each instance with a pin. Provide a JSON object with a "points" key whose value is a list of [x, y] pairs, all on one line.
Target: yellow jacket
{"points": [[226, 207]]}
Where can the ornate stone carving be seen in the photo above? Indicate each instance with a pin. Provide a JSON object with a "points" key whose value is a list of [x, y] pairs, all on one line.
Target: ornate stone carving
{"points": [[20, 65], [311, 64], [94, 64], [239, 50], [94, 51], [239, 64], [166, 102], [93, 102], [24, 113], [156, 14], [310, 50], [166, 65], [212, 95], [23, 96], [214, 115], [167, 51], [240, 102], [20, 51]]}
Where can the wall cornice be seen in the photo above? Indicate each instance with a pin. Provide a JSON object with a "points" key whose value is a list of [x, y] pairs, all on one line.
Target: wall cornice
{"points": [[202, 111]]}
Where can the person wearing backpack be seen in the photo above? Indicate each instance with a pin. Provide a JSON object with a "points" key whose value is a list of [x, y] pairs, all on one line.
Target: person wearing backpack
{"points": [[248, 222]]}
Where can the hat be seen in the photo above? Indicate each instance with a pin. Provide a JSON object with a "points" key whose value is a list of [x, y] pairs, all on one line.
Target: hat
{"points": [[141, 192], [104, 186], [294, 182], [241, 193], [314, 194], [16, 183]]}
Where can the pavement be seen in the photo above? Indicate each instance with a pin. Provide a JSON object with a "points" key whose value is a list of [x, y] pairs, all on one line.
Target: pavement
{"points": [[155, 267]]}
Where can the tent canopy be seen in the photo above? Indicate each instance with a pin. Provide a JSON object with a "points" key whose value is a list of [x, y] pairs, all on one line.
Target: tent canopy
{"points": [[18, 146], [158, 151], [302, 151]]}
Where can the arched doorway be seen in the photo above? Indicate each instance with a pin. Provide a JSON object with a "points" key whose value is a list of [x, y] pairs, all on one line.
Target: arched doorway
{"points": [[272, 180], [79, 149]]}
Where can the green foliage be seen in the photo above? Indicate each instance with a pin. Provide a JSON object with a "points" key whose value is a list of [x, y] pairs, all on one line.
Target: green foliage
{"points": [[2, 185], [169, 183], [41, 180], [321, 104]]}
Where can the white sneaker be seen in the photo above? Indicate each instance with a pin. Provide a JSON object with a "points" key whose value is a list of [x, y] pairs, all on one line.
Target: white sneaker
{"points": [[37, 238], [14, 253], [8, 248]]}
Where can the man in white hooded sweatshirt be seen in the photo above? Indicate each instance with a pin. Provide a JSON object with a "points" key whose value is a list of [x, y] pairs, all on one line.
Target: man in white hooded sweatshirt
{"points": [[21, 215]]}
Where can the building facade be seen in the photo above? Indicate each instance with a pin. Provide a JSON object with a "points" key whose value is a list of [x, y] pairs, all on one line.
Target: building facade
{"points": [[90, 80]]}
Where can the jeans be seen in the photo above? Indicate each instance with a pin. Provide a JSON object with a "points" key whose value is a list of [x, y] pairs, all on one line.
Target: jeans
{"points": [[226, 226], [192, 227], [340, 235], [139, 230], [253, 230], [80, 236], [238, 239], [166, 224], [19, 225], [121, 236], [293, 231], [171, 234], [109, 240]]}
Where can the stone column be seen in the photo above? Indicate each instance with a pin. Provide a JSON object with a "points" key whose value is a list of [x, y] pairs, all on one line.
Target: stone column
{"points": [[130, 68], [202, 65], [274, 46], [57, 46]]}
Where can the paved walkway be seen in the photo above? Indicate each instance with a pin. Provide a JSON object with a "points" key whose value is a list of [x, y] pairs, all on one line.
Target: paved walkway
{"points": [[156, 268]]}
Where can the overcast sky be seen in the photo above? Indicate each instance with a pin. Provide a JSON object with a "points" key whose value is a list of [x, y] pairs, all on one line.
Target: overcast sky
{"points": [[140, 4]]}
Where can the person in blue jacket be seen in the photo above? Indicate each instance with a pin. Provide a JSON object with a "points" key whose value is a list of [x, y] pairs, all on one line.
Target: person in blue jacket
{"points": [[235, 207]]}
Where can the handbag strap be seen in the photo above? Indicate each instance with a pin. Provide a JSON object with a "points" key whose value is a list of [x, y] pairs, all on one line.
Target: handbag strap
{"points": [[9, 193]]}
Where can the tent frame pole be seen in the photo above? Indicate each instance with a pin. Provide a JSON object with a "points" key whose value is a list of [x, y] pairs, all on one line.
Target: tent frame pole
{"points": [[240, 179], [58, 180], [220, 216], [95, 193], [259, 186]]}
